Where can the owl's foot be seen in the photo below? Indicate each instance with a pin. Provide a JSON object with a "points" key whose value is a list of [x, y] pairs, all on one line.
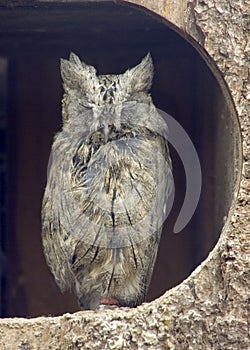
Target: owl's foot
{"points": [[109, 301]]}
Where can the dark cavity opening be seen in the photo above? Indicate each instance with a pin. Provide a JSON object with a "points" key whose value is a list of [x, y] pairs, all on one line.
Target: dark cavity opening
{"points": [[112, 38]]}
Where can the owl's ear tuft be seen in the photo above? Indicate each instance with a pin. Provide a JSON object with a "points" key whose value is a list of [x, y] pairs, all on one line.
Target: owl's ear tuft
{"points": [[140, 77], [76, 73], [68, 73], [74, 59]]}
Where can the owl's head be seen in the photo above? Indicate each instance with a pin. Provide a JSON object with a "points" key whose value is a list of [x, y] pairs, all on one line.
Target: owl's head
{"points": [[92, 90]]}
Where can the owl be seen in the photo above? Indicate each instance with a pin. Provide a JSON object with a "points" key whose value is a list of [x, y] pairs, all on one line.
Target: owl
{"points": [[109, 181]]}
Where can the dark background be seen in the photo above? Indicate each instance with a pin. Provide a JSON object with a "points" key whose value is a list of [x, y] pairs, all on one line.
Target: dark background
{"points": [[112, 38]]}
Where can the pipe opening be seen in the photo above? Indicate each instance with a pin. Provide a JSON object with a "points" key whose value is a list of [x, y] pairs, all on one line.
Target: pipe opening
{"points": [[112, 38]]}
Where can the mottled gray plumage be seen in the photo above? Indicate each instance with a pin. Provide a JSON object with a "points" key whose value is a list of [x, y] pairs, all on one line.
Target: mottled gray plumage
{"points": [[109, 180]]}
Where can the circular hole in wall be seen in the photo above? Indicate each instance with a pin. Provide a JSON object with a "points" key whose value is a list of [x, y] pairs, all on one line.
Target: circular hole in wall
{"points": [[112, 38]]}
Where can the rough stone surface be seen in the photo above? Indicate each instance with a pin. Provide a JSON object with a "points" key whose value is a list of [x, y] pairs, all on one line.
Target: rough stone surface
{"points": [[210, 309]]}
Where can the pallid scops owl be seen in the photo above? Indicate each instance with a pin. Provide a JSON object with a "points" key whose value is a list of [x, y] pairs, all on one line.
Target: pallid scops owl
{"points": [[109, 180]]}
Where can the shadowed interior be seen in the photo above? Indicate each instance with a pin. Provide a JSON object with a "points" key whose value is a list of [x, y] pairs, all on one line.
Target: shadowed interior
{"points": [[112, 38]]}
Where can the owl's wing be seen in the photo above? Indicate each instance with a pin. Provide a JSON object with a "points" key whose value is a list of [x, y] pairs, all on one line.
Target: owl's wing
{"points": [[115, 185], [108, 192]]}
